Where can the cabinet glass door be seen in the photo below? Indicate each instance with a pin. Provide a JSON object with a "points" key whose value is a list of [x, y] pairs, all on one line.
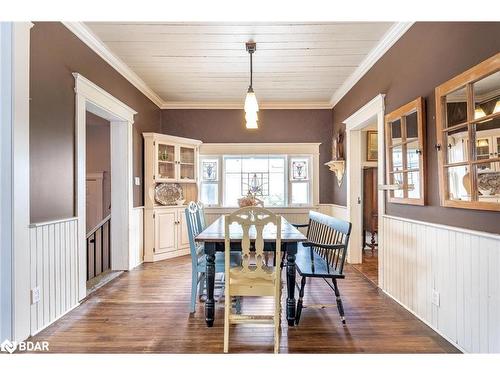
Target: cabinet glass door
{"points": [[166, 162], [483, 146], [186, 162]]}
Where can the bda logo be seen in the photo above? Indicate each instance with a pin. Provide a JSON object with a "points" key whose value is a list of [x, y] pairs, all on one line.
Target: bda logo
{"points": [[8, 346]]}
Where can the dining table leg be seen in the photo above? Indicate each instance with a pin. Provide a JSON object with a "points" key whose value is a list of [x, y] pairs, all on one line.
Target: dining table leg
{"points": [[291, 252], [210, 280]]}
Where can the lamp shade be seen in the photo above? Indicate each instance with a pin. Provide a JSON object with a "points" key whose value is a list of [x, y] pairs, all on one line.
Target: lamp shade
{"points": [[251, 104], [251, 118]]}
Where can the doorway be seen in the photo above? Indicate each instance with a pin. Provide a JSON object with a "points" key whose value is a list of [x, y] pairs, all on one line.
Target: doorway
{"points": [[93, 99], [98, 202], [369, 246], [369, 118]]}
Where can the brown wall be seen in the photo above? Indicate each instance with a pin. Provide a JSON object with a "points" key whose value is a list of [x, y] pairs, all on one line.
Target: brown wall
{"points": [[228, 125], [55, 54], [98, 158], [426, 56]]}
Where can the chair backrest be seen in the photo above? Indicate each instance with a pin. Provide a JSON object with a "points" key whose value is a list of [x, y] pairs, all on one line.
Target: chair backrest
{"points": [[252, 221], [201, 214], [329, 230], [194, 228]]}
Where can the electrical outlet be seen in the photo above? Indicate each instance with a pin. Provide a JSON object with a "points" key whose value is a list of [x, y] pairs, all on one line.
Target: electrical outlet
{"points": [[35, 295], [435, 297], [137, 181]]}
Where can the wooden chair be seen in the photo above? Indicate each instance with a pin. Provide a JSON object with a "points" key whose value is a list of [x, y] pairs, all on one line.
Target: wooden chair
{"points": [[198, 258], [201, 215], [253, 278], [323, 255]]}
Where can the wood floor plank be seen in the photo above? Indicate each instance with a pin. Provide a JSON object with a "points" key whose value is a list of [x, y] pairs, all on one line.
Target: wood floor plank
{"points": [[146, 310]]}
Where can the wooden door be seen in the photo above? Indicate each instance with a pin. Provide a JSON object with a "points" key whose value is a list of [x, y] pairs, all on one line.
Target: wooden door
{"points": [[370, 200], [165, 231]]}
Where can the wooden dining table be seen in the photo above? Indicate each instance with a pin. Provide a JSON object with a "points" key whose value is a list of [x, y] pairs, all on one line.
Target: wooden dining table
{"points": [[213, 238]]}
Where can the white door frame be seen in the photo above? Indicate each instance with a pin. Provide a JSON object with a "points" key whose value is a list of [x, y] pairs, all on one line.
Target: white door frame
{"points": [[14, 180], [369, 113], [92, 98]]}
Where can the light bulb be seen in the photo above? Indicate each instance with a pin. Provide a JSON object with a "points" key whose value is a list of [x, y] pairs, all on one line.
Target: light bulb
{"points": [[251, 118]]}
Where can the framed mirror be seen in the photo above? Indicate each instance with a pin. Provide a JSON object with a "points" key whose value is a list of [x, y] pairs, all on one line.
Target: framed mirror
{"points": [[468, 137], [405, 153]]}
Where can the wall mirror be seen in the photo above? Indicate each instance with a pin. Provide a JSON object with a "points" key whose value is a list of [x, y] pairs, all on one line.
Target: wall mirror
{"points": [[468, 136], [405, 153]]}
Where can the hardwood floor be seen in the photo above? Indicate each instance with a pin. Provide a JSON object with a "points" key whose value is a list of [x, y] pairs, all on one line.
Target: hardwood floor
{"points": [[146, 311], [369, 266]]}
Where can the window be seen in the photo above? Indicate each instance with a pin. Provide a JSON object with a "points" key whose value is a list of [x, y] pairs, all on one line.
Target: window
{"points": [[209, 186], [278, 180], [405, 150], [468, 137]]}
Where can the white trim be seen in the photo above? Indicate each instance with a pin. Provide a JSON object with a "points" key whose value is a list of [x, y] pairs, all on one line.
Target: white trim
{"points": [[259, 148], [493, 236], [43, 223], [391, 37], [371, 112], [92, 98], [95, 44], [15, 201], [239, 105]]}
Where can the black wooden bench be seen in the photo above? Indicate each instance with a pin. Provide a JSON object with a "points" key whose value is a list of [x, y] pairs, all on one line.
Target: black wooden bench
{"points": [[323, 255]]}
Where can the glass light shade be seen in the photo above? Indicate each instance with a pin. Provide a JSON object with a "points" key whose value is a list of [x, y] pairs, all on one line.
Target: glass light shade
{"points": [[251, 118], [478, 113], [497, 107], [251, 104]]}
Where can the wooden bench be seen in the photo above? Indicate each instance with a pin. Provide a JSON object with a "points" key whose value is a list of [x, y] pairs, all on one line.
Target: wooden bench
{"points": [[323, 255]]}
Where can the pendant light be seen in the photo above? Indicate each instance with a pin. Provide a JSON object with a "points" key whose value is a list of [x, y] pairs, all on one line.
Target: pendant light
{"points": [[251, 105]]}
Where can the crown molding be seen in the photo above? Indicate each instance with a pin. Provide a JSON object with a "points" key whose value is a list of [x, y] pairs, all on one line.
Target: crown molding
{"points": [[95, 44], [388, 40], [239, 105]]}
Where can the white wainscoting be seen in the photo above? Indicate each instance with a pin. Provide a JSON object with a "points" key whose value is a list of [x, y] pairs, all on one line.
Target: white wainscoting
{"points": [[54, 270], [462, 266], [136, 237]]}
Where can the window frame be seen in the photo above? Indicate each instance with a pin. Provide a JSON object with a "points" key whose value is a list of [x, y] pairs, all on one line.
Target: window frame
{"points": [[287, 180], [416, 106], [465, 79]]}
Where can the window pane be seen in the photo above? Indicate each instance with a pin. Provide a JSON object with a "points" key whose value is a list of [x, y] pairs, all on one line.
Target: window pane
{"points": [[457, 142], [276, 195], [209, 169], [456, 107], [412, 155], [488, 183], [396, 132], [397, 179], [255, 164], [414, 179], [300, 193], [232, 164], [232, 189], [299, 169], [209, 194], [411, 127], [397, 158], [487, 132], [459, 181], [486, 96]]}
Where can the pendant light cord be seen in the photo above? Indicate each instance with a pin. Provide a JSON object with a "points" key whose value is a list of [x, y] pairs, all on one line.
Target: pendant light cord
{"points": [[251, 71]]}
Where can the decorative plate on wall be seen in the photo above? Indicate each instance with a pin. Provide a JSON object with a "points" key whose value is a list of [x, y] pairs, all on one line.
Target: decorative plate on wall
{"points": [[168, 194]]}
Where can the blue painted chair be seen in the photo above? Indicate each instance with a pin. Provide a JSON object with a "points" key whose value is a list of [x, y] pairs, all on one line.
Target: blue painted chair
{"points": [[198, 259]]}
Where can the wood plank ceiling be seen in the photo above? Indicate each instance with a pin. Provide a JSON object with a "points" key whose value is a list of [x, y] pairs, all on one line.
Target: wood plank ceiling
{"points": [[207, 62]]}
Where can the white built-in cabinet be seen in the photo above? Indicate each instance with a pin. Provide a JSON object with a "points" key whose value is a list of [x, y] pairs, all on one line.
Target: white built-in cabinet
{"points": [[167, 159]]}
